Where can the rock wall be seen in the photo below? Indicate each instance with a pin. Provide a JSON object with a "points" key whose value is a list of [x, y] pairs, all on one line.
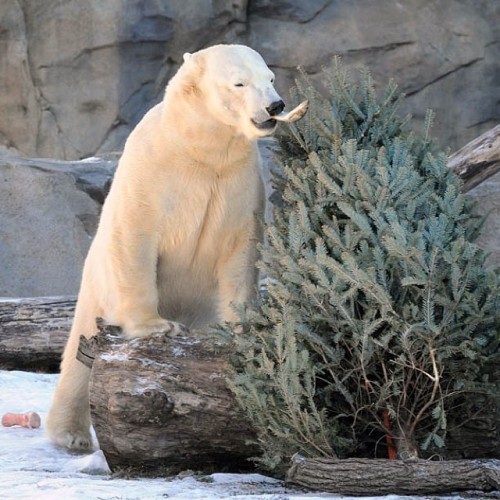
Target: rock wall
{"points": [[75, 76]]}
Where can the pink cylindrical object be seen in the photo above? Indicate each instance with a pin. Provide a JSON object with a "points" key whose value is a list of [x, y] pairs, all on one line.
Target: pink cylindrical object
{"points": [[29, 420]]}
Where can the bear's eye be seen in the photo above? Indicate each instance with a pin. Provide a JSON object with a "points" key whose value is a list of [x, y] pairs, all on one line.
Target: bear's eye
{"points": [[272, 80], [239, 84]]}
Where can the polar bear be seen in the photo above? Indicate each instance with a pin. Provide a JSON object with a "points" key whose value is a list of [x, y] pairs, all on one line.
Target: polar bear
{"points": [[176, 243]]}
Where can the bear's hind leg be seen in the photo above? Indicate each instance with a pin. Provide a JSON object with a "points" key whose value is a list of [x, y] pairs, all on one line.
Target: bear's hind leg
{"points": [[68, 421]]}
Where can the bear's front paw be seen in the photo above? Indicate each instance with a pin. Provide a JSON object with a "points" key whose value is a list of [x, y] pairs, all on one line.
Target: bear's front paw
{"points": [[73, 440], [156, 325]]}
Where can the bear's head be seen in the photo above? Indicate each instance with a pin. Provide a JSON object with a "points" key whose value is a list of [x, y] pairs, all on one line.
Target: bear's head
{"points": [[235, 86]]}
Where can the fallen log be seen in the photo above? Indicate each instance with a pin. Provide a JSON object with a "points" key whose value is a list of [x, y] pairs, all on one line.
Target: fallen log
{"points": [[356, 476], [33, 332], [161, 403], [477, 160]]}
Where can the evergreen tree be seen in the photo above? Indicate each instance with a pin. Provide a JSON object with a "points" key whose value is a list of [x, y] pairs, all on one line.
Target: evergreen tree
{"points": [[378, 311]]}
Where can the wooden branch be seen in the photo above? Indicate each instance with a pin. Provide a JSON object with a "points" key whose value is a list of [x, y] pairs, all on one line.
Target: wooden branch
{"points": [[33, 332], [162, 402], [478, 160], [383, 477]]}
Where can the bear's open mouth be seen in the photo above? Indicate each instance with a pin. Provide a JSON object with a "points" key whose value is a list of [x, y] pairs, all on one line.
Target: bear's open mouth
{"points": [[268, 124]]}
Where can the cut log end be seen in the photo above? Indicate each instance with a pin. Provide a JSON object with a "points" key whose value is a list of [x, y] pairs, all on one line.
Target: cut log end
{"points": [[478, 160]]}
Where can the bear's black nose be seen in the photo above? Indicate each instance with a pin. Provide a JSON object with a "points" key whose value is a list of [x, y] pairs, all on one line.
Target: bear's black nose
{"points": [[276, 108]]}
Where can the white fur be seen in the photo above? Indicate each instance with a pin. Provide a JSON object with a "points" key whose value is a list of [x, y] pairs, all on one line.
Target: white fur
{"points": [[178, 231]]}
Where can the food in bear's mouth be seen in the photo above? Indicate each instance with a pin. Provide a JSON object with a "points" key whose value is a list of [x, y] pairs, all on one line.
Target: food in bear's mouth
{"points": [[295, 114], [292, 116]]}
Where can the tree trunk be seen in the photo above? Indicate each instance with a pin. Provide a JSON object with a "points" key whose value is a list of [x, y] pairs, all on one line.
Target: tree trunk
{"points": [[383, 477], [162, 403], [33, 332], [477, 160]]}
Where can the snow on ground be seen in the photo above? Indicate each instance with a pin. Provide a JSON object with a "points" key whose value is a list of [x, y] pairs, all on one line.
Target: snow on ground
{"points": [[32, 468]]}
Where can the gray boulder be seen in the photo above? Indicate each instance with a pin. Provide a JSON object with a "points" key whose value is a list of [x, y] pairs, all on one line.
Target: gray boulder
{"points": [[444, 55], [48, 215]]}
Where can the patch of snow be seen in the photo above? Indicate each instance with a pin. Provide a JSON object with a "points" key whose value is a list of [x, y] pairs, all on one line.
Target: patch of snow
{"points": [[91, 159], [144, 386], [146, 362], [114, 356], [178, 351], [94, 464]]}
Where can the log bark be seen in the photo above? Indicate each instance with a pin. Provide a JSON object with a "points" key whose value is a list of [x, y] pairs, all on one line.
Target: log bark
{"points": [[383, 477], [162, 403], [33, 332], [477, 160]]}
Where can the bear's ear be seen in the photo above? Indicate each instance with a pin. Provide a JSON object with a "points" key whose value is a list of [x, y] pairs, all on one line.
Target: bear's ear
{"points": [[194, 68], [193, 60]]}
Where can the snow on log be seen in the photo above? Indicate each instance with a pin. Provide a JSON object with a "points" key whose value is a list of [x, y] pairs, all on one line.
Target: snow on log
{"points": [[33, 332], [356, 476], [477, 160], [162, 402]]}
